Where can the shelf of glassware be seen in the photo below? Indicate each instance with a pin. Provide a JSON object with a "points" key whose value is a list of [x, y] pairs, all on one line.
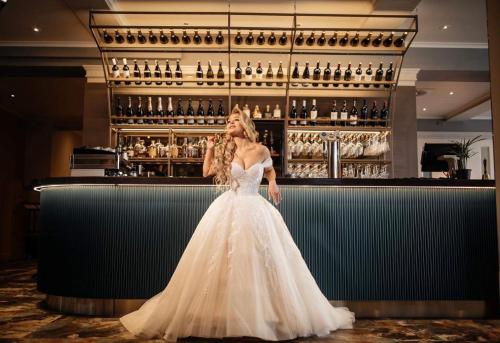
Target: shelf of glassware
{"points": [[348, 128]]}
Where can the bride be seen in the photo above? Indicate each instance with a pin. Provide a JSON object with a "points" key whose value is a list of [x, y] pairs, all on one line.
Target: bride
{"points": [[241, 273]]}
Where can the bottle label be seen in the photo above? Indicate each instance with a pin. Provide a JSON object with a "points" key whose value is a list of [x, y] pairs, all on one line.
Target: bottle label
{"points": [[354, 120], [368, 78], [314, 114], [248, 76], [190, 120], [334, 115], [180, 120], [116, 73], [126, 73], [277, 114], [357, 77], [201, 120], [259, 75], [343, 115], [303, 122], [293, 122], [210, 120]]}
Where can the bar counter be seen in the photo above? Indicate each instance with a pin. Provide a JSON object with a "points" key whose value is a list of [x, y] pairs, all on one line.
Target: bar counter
{"points": [[383, 247]]}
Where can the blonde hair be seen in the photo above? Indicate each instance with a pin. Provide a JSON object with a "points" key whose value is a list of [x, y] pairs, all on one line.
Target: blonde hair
{"points": [[224, 151]]}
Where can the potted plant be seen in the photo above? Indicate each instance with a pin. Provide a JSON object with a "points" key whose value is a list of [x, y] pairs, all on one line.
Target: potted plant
{"points": [[463, 150]]}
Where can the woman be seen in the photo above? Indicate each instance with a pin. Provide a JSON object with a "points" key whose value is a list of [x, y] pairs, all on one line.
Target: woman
{"points": [[241, 273]]}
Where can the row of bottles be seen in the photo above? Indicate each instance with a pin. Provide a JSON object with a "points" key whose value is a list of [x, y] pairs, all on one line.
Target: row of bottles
{"points": [[354, 41], [152, 147], [343, 116], [161, 37]]}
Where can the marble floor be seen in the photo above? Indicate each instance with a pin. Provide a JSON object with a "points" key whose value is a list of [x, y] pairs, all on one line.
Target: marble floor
{"points": [[24, 319]]}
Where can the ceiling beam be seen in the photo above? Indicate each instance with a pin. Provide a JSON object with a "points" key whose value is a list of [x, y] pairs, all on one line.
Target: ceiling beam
{"points": [[459, 113]]}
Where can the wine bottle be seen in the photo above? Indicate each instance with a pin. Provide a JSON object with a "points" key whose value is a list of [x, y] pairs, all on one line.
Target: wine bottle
{"points": [[150, 113], [310, 40], [115, 71], [210, 74], [174, 38], [258, 73], [185, 37], [388, 41], [347, 74], [277, 111], [261, 39], [293, 113], [118, 111], [306, 75], [221, 113], [157, 73], [220, 74], [168, 74], [353, 115], [210, 113], [196, 37], [126, 71], [219, 39], [147, 73], [358, 75], [344, 40], [199, 74], [248, 74], [327, 74], [108, 39], [271, 40], [137, 73], [139, 112], [283, 39], [170, 111], [384, 114], [355, 40], [238, 73], [322, 39], [389, 75], [130, 111], [200, 113], [374, 114], [130, 37], [163, 38], [377, 41], [334, 114], [363, 114], [316, 74], [367, 40], [269, 74], [280, 75], [299, 40], [400, 41], [249, 39], [295, 74], [208, 38], [160, 112], [313, 113], [118, 37], [379, 74], [303, 113], [333, 40], [190, 113], [368, 75], [152, 38], [336, 75], [140, 37], [179, 114], [238, 39], [178, 74], [343, 114]]}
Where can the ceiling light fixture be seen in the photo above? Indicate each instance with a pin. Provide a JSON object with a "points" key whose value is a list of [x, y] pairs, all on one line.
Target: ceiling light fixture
{"points": [[3, 3], [452, 92], [424, 109], [445, 27], [12, 95], [36, 29]]}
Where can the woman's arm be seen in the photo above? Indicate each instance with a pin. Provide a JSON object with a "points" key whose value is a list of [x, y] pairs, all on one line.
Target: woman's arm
{"points": [[273, 191], [209, 158]]}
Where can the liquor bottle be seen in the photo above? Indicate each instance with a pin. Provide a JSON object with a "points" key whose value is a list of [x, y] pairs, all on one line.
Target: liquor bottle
{"points": [[139, 112], [367, 40], [344, 40], [257, 114], [140, 37], [389, 75], [190, 112], [384, 114], [168, 73], [170, 111], [160, 112], [303, 113], [210, 74], [249, 40], [219, 39], [174, 38], [353, 115], [258, 73], [147, 73], [152, 38], [374, 114], [179, 114], [283, 39], [108, 39], [363, 114], [333, 40], [210, 113], [269, 74], [334, 114], [343, 114], [220, 74], [238, 73], [355, 40], [208, 38], [200, 113], [126, 71], [267, 112], [322, 39], [163, 38], [368, 75], [310, 40], [246, 110], [280, 75], [293, 113], [115, 70], [137, 73], [299, 40], [130, 37], [388, 41], [185, 37], [277, 111], [336, 75], [347, 75], [118, 37], [118, 111], [196, 37], [379, 74], [178, 74], [157, 73], [221, 113], [271, 40], [306, 75], [199, 74], [238, 39], [313, 113], [327, 74], [295, 74], [377, 41], [316, 74], [261, 39], [358, 75], [400, 41], [150, 113], [130, 111], [248, 73]]}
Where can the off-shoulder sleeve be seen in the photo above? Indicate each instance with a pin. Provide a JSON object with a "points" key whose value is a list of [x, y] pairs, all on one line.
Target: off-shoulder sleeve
{"points": [[268, 162]]}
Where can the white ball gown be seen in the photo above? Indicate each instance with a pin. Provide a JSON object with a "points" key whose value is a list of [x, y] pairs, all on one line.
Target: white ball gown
{"points": [[241, 274]]}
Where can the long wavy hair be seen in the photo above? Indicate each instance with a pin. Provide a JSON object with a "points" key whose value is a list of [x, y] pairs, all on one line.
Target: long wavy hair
{"points": [[226, 147]]}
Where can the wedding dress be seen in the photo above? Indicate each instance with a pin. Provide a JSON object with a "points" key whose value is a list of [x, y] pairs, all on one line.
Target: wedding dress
{"points": [[241, 274]]}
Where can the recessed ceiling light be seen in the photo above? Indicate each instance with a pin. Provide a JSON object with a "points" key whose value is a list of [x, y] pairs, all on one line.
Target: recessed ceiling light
{"points": [[3, 3], [36, 29], [452, 92], [424, 109], [445, 27], [12, 95]]}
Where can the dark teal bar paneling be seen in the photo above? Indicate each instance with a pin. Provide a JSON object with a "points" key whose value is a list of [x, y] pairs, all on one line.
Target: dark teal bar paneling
{"points": [[361, 243]]}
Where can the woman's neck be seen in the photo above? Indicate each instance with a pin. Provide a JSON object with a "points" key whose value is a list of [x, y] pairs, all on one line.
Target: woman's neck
{"points": [[241, 142]]}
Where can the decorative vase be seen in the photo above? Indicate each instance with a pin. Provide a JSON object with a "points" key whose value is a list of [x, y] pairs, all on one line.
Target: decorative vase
{"points": [[463, 174]]}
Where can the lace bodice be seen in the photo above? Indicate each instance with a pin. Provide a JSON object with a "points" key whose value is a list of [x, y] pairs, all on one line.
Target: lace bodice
{"points": [[247, 181]]}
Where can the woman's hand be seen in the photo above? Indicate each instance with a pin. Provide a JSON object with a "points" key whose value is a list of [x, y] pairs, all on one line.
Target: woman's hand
{"points": [[273, 192]]}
